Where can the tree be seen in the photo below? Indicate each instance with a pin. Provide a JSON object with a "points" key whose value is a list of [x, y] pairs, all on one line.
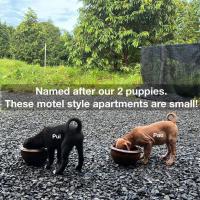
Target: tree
{"points": [[5, 36], [29, 40], [188, 22], [50, 35], [66, 48], [110, 31], [25, 39]]}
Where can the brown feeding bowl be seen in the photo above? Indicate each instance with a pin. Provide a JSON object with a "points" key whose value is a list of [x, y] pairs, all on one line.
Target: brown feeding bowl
{"points": [[125, 157], [35, 157]]}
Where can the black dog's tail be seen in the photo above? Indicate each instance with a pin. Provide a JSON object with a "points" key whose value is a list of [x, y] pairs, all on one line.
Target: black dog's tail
{"points": [[78, 121]]}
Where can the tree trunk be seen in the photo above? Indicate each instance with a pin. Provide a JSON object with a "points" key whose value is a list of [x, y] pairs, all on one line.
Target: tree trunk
{"points": [[125, 59], [125, 56]]}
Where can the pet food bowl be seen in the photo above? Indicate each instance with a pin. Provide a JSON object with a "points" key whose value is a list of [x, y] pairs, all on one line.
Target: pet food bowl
{"points": [[35, 157], [125, 157]]}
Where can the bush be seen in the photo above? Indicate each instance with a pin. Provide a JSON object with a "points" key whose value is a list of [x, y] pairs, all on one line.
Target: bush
{"points": [[14, 73]]}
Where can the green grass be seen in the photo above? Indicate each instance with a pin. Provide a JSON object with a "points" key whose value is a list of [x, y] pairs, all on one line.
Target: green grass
{"points": [[18, 76]]}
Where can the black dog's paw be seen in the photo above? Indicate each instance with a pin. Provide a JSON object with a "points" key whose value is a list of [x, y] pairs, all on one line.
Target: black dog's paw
{"points": [[58, 163], [47, 166], [80, 172], [78, 168], [57, 172]]}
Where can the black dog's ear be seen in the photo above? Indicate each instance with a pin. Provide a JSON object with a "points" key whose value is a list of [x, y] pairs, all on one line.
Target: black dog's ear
{"points": [[45, 129]]}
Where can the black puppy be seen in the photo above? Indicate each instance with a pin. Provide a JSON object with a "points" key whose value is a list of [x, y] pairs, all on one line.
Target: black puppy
{"points": [[74, 137], [52, 138]]}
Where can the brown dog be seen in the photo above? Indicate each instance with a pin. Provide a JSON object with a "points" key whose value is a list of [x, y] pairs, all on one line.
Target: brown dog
{"points": [[158, 133]]}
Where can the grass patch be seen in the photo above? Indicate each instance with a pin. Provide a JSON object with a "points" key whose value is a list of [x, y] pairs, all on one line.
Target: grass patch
{"points": [[18, 76]]}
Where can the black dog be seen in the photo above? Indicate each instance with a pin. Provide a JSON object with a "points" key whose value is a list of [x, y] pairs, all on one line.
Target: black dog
{"points": [[52, 138], [74, 137]]}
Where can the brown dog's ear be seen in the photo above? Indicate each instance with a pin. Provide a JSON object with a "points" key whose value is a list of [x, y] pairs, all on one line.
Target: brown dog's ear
{"points": [[128, 145], [116, 144], [120, 143]]}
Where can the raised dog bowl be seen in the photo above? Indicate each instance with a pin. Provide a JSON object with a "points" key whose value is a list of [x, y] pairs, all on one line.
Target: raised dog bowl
{"points": [[35, 157], [125, 157]]}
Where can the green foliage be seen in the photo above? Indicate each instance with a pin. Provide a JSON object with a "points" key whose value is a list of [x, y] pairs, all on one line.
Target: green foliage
{"points": [[14, 73], [50, 35], [110, 32], [66, 48], [108, 35], [25, 44], [5, 36], [187, 28], [29, 40]]}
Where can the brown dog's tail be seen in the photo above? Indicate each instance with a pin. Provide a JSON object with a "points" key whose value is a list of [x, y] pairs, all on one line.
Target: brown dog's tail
{"points": [[172, 117]]}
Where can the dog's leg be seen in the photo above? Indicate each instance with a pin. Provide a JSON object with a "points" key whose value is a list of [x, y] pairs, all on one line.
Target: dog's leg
{"points": [[50, 157], [64, 159], [147, 152], [172, 157], [80, 156], [58, 155], [167, 155]]}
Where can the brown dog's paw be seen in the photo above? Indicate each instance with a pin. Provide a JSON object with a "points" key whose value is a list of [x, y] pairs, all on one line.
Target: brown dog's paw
{"points": [[164, 157], [145, 161], [169, 162], [142, 157]]}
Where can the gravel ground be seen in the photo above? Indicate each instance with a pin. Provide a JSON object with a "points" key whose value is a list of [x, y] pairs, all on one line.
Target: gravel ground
{"points": [[101, 177]]}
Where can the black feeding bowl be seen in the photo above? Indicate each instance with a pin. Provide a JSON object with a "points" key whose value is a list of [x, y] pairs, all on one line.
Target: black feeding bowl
{"points": [[125, 157], [35, 157]]}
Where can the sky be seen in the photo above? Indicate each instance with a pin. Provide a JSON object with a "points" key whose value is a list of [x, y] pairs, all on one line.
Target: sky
{"points": [[63, 13]]}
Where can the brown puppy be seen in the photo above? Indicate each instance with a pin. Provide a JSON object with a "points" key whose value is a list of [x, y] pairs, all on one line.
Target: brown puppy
{"points": [[158, 133]]}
